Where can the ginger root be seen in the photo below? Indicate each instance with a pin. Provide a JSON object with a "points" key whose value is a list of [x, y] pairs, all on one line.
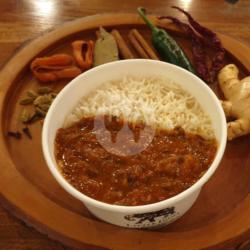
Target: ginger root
{"points": [[237, 104]]}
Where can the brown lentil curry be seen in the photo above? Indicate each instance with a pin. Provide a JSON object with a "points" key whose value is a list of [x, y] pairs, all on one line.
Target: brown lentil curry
{"points": [[171, 163]]}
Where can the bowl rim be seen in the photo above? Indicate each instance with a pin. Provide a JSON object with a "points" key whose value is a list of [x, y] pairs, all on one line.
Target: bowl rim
{"points": [[141, 208]]}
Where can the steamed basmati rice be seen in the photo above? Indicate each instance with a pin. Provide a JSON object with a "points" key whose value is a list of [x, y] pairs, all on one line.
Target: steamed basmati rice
{"points": [[158, 102]]}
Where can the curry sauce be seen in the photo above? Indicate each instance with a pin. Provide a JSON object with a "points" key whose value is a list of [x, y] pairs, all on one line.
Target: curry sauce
{"points": [[172, 162]]}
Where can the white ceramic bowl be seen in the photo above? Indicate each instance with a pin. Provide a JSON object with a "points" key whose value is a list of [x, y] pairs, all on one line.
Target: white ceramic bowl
{"points": [[152, 215]]}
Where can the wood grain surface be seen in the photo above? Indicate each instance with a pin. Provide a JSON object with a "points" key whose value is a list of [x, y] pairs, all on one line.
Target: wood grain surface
{"points": [[22, 20]]}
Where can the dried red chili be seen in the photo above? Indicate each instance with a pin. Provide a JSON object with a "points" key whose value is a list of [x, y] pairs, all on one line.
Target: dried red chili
{"points": [[211, 39], [197, 48]]}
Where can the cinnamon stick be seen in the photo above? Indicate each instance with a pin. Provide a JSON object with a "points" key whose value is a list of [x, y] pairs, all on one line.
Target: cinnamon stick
{"points": [[141, 45], [122, 46]]}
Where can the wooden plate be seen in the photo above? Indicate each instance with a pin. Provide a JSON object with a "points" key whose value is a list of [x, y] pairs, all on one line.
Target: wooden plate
{"points": [[220, 217]]}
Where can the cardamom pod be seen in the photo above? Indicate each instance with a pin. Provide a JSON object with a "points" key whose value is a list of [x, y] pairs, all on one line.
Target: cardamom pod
{"points": [[53, 95], [26, 101], [43, 99], [35, 117], [44, 107], [44, 90], [25, 116], [40, 112], [32, 94]]}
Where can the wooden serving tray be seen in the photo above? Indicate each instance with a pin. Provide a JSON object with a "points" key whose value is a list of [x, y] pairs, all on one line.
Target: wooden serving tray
{"points": [[221, 216]]}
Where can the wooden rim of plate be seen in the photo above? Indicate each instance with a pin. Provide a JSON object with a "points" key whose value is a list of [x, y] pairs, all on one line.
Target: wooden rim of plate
{"points": [[81, 230]]}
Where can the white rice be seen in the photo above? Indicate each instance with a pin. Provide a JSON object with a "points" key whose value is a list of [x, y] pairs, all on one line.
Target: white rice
{"points": [[156, 101]]}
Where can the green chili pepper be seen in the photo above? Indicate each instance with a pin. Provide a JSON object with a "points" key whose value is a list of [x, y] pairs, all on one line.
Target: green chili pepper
{"points": [[166, 46]]}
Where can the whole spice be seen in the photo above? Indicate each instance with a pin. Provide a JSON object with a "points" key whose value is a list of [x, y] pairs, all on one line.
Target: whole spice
{"points": [[141, 45], [35, 117], [44, 107], [16, 134], [26, 131], [41, 101], [42, 104], [166, 46], [25, 116], [44, 90], [212, 40], [198, 49], [53, 95], [32, 94], [40, 112], [105, 48], [54, 68], [83, 53], [26, 101], [124, 50]]}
